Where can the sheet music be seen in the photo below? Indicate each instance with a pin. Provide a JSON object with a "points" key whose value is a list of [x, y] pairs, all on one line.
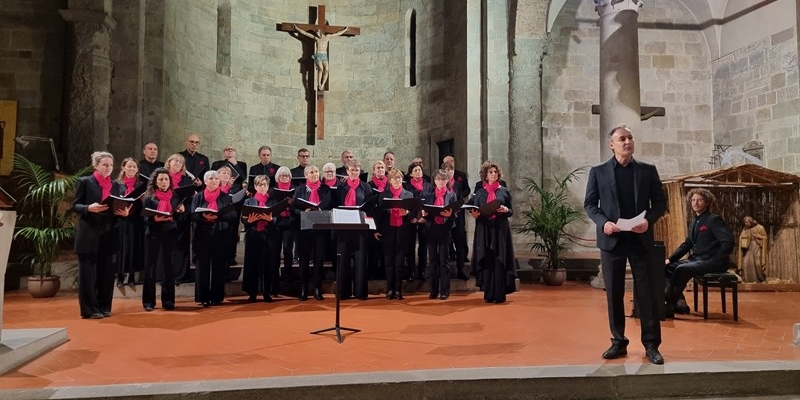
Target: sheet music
{"points": [[341, 216], [628, 224]]}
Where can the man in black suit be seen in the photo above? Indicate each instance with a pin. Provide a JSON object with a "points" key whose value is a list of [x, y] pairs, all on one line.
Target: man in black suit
{"points": [[264, 167], [196, 163], [341, 172], [299, 172], [150, 161], [238, 168], [460, 186], [624, 188], [710, 242]]}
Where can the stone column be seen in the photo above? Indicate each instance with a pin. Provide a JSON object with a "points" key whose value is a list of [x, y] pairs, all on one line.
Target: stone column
{"points": [[90, 70], [619, 67]]}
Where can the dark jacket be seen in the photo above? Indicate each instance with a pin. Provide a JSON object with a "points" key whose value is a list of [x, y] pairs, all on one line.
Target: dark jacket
{"points": [[241, 170], [709, 239], [92, 226], [196, 163], [601, 203]]}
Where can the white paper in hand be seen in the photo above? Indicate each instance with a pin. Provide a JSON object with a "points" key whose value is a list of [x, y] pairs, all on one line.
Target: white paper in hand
{"points": [[628, 224]]}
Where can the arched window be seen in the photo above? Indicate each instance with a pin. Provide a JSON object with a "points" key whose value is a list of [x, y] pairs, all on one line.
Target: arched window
{"points": [[411, 48]]}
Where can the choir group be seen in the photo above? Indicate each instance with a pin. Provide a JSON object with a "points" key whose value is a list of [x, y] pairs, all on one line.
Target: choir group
{"points": [[159, 218]]}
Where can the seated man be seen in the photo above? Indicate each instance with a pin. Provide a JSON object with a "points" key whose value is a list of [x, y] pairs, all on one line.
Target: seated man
{"points": [[710, 243]]}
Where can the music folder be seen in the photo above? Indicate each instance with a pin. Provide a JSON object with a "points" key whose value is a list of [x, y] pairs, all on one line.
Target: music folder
{"points": [[238, 196], [150, 212], [436, 210], [275, 209], [303, 204], [486, 209], [281, 194], [118, 203], [412, 205]]}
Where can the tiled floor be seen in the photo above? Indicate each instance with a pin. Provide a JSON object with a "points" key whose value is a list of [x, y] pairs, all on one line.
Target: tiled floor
{"points": [[538, 326]]}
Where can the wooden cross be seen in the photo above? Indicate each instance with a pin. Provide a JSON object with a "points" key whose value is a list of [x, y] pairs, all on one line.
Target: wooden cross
{"points": [[315, 96]]}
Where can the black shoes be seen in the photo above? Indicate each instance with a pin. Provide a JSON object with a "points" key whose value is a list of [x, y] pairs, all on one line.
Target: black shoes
{"points": [[432, 296], [318, 294], [444, 297], [168, 306], [398, 295], [148, 308], [654, 356], [105, 313], [96, 315], [303, 293], [267, 298], [615, 351], [390, 295], [206, 304], [251, 299], [462, 276], [682, 308]]}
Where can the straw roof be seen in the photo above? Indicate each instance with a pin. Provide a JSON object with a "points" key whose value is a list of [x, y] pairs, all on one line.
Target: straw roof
{"points": [[738, 175]]}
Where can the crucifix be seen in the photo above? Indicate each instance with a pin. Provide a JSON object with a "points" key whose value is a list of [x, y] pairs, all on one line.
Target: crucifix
{"points": [[316, 49]]}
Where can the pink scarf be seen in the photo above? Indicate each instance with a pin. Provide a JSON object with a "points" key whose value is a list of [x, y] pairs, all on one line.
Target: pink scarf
{"points": [[380, 183], [225, 188], [211, 198], [491, 188], [439, 193], [395, 214], [284, 186], [451, 187], [105, 185], [417, 183], [262, 202], [130, 184], [331, 183], [176, 179], [164, 200], [350, 198], [314, 187]]}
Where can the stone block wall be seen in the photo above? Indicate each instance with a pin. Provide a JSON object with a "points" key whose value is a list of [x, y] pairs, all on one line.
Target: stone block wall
{"points": [[674, 73], [757, 98], [368, 108], [32, 64]]}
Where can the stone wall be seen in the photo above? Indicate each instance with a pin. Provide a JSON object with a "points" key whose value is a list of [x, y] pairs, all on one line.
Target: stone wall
{"points": [[674, 73], [368, 108], [757, 98], [32, 37]]}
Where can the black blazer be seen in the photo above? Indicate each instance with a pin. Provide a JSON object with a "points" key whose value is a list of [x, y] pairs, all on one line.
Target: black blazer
{"points": [[92, 226], [150, 201], [262, 169], [429, 198], [709, 239], [382, 214], [342, 171], [460, 184], [197, 163], [204, 228], [364, 192], [303, 192], [601, 203]]}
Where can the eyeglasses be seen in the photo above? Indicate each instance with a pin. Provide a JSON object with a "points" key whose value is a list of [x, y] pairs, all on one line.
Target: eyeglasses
{"points": [[261, 184], [194, 141], [303, 155], [229, 149]]}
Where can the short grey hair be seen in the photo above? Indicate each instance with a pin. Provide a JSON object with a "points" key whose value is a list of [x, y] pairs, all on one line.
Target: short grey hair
{"points": [[209, 174], [99, 155]]}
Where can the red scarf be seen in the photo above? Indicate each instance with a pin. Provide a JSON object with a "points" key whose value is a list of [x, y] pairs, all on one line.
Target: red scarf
{"points": [[380, 183], [350, 198], [164, 200], [284, 186], [262, 202], [491, 188], [314, 187], [439, 193], [129, 184], [105, 185], [395, 214], [417, 183], [211, 198], [331, 183], [452, 186], [225, 188], [176, 179]]}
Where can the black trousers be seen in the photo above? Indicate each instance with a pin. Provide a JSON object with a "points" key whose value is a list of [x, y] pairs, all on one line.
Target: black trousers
{"points": [[184, 250], [96, 280], [613, 264], [310, 245], [679, 273], [459, 233], [417, 266], [352, 245], [211, 269], [258, 268], [394, 241], [161, 256], [439, 268]]}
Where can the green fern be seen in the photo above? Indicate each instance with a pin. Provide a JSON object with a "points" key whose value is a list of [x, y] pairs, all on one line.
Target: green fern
{"points": [[45, 219]]}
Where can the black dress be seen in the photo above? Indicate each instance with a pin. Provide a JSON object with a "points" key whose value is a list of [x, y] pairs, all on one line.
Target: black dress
{"points": [[131, 244], [493, 249]]}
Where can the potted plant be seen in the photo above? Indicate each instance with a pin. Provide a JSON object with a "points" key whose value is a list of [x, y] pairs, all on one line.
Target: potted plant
{"points": [[44, 220], [546, 219]]}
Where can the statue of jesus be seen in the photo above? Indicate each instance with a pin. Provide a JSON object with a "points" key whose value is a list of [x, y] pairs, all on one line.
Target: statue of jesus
{"points": [[320, 56]]}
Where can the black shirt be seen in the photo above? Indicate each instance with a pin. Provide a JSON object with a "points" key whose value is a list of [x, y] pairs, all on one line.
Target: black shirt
{"points": [[625, 191], [146, 168]]}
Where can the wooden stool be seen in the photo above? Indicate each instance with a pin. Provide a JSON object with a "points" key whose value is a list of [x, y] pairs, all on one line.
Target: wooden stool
{"points": [[721, 280]]}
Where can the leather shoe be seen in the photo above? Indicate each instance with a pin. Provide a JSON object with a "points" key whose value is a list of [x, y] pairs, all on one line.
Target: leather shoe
{"points": [[251, 299], [105, 313], [432, 296], [682, 308], [615, 351], [148, 308], [654, 356], [390, 295], [168, 306], [267, 298], [318, 294], [96, 315], [398, 296], [303, 294]]}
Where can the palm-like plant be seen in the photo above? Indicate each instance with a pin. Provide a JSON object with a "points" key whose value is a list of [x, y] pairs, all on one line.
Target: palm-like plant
{"points": [[547, 217], [45, 218]]}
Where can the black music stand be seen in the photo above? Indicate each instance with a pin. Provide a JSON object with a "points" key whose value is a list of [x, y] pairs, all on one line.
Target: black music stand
{"points": [[323, 220]]}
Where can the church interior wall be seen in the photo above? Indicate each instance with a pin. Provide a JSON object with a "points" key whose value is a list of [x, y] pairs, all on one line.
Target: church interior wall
{"points": [[674, 73], [32, 43]]}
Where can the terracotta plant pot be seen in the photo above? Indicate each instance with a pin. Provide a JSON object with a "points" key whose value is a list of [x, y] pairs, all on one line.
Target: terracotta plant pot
{"points": [[554, 277], [43, 286]]}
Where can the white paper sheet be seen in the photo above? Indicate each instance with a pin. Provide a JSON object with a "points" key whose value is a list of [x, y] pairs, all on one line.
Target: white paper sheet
{"points": [[628, 224]]}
